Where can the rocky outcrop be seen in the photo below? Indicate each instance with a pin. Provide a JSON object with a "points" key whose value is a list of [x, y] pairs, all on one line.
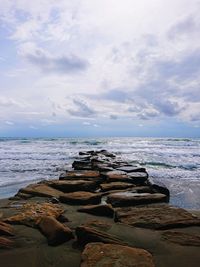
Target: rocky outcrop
{"points": [[81, 198], [55, 232], [115, 186], [98, 210], [99, 255], [156, 217]]}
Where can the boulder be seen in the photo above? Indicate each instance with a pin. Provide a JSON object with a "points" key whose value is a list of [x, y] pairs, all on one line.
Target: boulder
{"points": [[99, 225], [73, 185], [87, 234], [115, 186], [6, 229], [29, 213], [99, 210], [40, 190], [117, 176], [80, 175], [81, 198], [156, 217], [131, 198], [184, 239], [55, 232], [6, 243], [161, 189], [112, 255]]}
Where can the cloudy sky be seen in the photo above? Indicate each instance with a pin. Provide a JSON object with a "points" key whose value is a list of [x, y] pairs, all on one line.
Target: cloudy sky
{"points": [[100, 68]]}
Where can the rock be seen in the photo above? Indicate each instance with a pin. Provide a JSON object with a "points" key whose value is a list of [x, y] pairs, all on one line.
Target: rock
{"points": [[29, 213], [103, 255], [117, 176], [87, 234], [115, 186], [99, 225], [161, 189], [73, 185], [41, 190], [6, 243], [131, 199], [102, 167], [23, 195], [55, 232], [138, 178], [99, 210], [80, 175], [129, 169], [6, 229], [82, 165], [81, 198], [181, 238], [156, 217]]}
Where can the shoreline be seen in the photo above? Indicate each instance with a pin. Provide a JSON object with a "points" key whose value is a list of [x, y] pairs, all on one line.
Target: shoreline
{"points": [[101, 199]]}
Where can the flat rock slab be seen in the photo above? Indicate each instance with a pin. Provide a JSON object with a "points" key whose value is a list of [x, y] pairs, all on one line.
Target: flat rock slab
{"points": [[104, 255], [86, 234], [181, 238], [55, 232], [138, 178], [29, 213], [130, 169], [67, 186], [117, 176], [80, 175], [80, 198], [115, 186], [131, 198], [41, 190], [156, 217], [99, 210]]}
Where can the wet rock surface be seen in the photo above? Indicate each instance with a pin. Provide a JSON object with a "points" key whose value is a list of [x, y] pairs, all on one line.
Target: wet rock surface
{"points": [[156, 217], [98, 254], [101, 199]]}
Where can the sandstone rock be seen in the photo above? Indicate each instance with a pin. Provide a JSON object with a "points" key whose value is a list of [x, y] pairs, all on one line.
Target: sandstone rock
{"points": [[29, 213], [99, 225], [102, 167], [117, 176], [103, 255], [5, 243], [87, 234], [80, 175], [131, 199], [73, 185], [23, 195], [156, 217], [81, 198], [6, 229], [55, 232], [130, 169], [41, 190], [115, 186], [99, 210], [181, 238]]}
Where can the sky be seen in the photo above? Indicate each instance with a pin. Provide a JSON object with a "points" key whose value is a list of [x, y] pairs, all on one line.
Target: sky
{"points": [[86, 68]]}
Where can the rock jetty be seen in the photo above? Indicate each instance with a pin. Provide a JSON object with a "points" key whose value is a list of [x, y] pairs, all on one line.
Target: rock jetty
{"points": [[103, 211]]}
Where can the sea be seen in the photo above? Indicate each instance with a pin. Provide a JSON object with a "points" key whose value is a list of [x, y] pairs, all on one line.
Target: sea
{"points": [[172, 162]]}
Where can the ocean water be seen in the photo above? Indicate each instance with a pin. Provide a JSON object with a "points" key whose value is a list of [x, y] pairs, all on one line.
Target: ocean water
{"points": [[172, 162]]}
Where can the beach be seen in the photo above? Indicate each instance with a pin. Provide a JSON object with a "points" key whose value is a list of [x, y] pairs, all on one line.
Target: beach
{"points": [[144, 221]]}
